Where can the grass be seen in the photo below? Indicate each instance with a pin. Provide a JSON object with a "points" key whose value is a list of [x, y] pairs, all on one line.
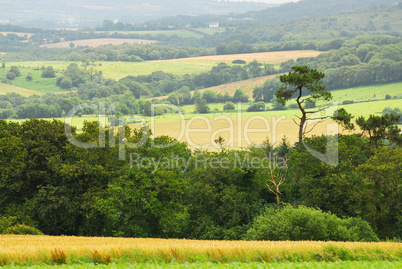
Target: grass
{"points": [[117, 70], [6, 88], [37, 85], [368, 93], [38, 250], [196, 265]]}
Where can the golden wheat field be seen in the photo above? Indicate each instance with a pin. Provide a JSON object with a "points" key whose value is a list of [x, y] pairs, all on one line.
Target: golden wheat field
{"points": [[263, 57], [247, 86], [238, 132], [98, 42], [22, 249]]}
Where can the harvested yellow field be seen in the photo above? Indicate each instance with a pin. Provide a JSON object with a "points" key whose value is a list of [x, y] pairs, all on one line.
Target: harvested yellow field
{"points": [[6, 88], [247, 86], [264, 57], [93, 43], [43, 249], [239, 132], [17, 33]]}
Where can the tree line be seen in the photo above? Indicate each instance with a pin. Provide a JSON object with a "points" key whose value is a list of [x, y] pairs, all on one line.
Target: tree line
{"points": [[49, 183]]}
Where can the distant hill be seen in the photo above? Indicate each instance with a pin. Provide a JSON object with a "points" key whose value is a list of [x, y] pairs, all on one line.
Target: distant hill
{"points": [[382, 19], [89, 13], [301, 9]]}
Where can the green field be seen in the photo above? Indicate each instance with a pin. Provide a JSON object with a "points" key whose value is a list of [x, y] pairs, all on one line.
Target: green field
{"points": [[37, 84], [117, 70], [281, 265]]}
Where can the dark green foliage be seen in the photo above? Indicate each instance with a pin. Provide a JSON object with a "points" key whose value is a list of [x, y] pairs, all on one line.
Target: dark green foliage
{"points": [[238, 61], [49, 72], [15, 70], [201, 106], [229, 106], [259, 106], [379, 128], [10, 225], [304, 223]]}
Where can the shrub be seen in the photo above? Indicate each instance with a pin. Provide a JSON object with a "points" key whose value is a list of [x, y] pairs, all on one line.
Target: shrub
{"points": [[49, 72], [238, 61], [387, 97], [259, 106], [15, 70], [29, 77], [229, 106], [305, 223], [347, 102], [22, 229], [293, 106], [10, 75], [66, 83]]}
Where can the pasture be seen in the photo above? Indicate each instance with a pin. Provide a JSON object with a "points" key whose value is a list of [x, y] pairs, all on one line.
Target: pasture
{"points": [[118, 70], [36, 86], [38, 250], [97, 42]]}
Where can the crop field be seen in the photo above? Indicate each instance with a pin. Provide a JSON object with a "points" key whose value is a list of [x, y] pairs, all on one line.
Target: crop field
{"points": [[179, 33], [17, 33], [31, 250], [263, 57], [6, 88], [256, 265], [96, 42]]}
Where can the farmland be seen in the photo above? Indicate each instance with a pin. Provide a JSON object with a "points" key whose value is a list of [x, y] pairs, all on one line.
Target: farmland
{"points": [[275, 265], [98, 42], [179, 33], [75, 250], [263, 57], [6, 88]]}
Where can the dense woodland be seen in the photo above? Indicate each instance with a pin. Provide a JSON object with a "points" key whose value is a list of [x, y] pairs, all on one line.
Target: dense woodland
{"points": [[49, 183]]}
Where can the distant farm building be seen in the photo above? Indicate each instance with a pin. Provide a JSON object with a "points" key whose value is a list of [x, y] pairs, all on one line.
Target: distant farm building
{"points": [[214, 25]]}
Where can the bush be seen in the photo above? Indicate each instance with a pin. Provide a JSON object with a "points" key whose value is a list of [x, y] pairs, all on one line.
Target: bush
{"points": [[305, 223], [259, 106], [238, 62], [347, 102], [9, 225], [229, 106], [10, 75], [15, 70], [29, 77], [22, 229], [387, 97], [66, 83], [293, 106], [49, 72]]}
